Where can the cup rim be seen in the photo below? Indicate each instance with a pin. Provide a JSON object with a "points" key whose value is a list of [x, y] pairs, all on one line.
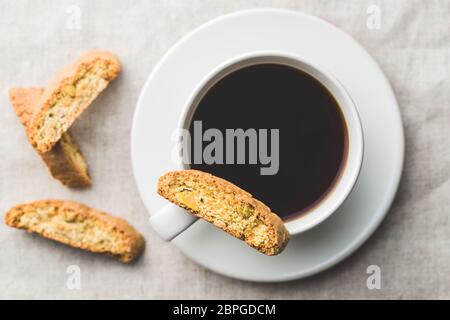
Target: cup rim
{"points": [[346, 104]]}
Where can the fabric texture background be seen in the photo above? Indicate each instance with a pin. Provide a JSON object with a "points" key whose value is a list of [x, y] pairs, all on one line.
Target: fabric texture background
{"points": [[37, 38]]}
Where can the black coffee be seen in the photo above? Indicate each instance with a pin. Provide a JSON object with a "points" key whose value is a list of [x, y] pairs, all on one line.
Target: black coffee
{"points": [[312, 134]]}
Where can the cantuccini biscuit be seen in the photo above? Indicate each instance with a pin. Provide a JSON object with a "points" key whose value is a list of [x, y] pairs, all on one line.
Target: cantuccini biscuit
{"points": [[226, 206], [68, 95], [79, 226], [65, 160]]}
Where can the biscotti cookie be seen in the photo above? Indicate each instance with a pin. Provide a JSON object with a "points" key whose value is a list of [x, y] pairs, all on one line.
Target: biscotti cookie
{"points": [[226, 206], [68, 95], [65, 160], [79, 226]]}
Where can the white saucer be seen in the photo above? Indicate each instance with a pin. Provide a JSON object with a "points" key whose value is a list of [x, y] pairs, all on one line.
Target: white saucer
{"points": [[169, 86]]}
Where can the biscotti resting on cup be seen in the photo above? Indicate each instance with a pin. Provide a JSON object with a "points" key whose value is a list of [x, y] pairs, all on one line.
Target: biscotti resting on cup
{"points": [[65, 160], [68, 95], [226, 206], [79, 226]]}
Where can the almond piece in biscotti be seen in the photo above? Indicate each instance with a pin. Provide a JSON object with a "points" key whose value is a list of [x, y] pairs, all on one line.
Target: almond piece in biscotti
{"points": [[68, 95], [79, 226], [65, 160], [226, 206]]}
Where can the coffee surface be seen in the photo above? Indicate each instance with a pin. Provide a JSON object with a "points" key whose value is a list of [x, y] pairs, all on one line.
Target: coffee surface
{"points": [[312, 134]]}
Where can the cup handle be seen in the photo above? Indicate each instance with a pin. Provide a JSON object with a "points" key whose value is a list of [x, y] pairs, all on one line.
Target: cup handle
{"points": [[170, 221]]}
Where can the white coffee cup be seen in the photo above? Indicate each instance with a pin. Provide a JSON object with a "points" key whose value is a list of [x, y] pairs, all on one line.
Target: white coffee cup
{"points": [[172, 220]]}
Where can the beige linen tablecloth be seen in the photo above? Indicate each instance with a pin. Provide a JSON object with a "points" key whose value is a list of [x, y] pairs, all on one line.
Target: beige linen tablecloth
{"points": [[412, 246]]}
